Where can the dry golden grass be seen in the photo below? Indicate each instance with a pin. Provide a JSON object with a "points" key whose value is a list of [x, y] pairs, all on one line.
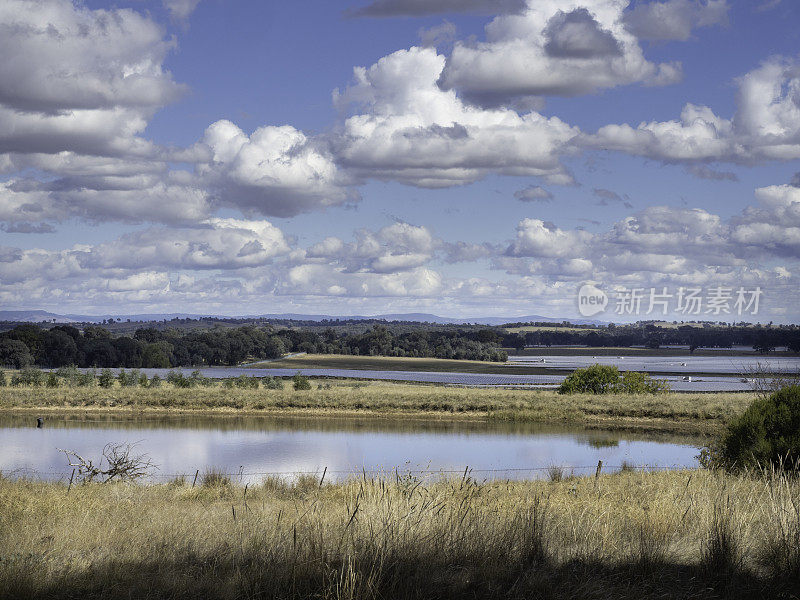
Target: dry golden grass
{"points": [[695, 534], [688, 413]]}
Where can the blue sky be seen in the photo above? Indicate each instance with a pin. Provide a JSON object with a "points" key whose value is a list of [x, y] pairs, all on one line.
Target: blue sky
{"points": [[208, 156]]}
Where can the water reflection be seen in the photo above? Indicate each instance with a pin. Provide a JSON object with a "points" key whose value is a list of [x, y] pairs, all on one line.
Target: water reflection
{"points": [[260, 445]]}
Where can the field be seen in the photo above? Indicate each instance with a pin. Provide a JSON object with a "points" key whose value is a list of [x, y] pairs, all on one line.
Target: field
{"points": [[529, 328], [633, 535], [680, 413], [386, 363]]}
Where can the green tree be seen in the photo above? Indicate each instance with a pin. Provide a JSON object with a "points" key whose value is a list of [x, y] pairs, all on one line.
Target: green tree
{"points": [[30, 335], [14, 353], [95, 332], [156, 355], [58, 349], [129, 352], [764, 345], [99, 352]]}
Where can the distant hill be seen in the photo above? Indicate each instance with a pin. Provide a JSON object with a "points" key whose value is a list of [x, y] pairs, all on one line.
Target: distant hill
{"points": [[32, 316], [38, 316]]}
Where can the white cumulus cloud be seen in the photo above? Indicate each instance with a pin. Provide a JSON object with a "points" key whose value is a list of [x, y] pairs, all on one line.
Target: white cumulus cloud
{"points": [[276, 171], [406, 128], [674, 19], [554, 47]]}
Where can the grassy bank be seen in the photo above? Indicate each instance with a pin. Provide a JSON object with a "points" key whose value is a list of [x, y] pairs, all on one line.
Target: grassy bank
{"points": [[686, 413], [631, 535]]}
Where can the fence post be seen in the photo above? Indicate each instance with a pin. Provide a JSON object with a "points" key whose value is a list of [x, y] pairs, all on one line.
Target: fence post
{"points": [[597, 475], [196, 473]]}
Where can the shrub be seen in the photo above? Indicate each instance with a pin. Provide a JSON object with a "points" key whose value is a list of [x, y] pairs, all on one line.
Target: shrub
{"points": [[198, 379], [767, 433], [301, 382], [273, 383], [155, 381], [635, 382], [214, 477], [71, 375], [178, 379], [606, 379], [87, 378], [245, 382], [51, 380], [2, 379], [106, 378], [31, 376], [596, 379], [128, 379]]}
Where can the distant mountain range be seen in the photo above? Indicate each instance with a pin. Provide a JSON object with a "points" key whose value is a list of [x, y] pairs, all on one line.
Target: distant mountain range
{"points": [[37, 316]]}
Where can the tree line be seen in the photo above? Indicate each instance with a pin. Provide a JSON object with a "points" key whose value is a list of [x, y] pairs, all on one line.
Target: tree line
{"points": [[95, 346], [150, 346], [761, 338]]}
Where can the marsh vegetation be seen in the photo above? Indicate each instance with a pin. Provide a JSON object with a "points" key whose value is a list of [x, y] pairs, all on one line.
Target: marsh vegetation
{"points": [[697, 413]]}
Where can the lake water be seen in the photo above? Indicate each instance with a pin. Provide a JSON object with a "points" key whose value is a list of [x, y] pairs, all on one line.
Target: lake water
{"points": [[258, 446]]}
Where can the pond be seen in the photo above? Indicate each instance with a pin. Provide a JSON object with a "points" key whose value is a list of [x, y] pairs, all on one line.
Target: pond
{"points": [[251, 448]]}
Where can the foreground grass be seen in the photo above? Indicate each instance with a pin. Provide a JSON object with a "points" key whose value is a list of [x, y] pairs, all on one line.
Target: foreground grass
{"points": [[683, 413], [631, 535]]}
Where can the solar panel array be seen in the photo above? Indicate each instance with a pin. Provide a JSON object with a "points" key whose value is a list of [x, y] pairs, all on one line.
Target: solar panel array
{"points": [[704, 384]]}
